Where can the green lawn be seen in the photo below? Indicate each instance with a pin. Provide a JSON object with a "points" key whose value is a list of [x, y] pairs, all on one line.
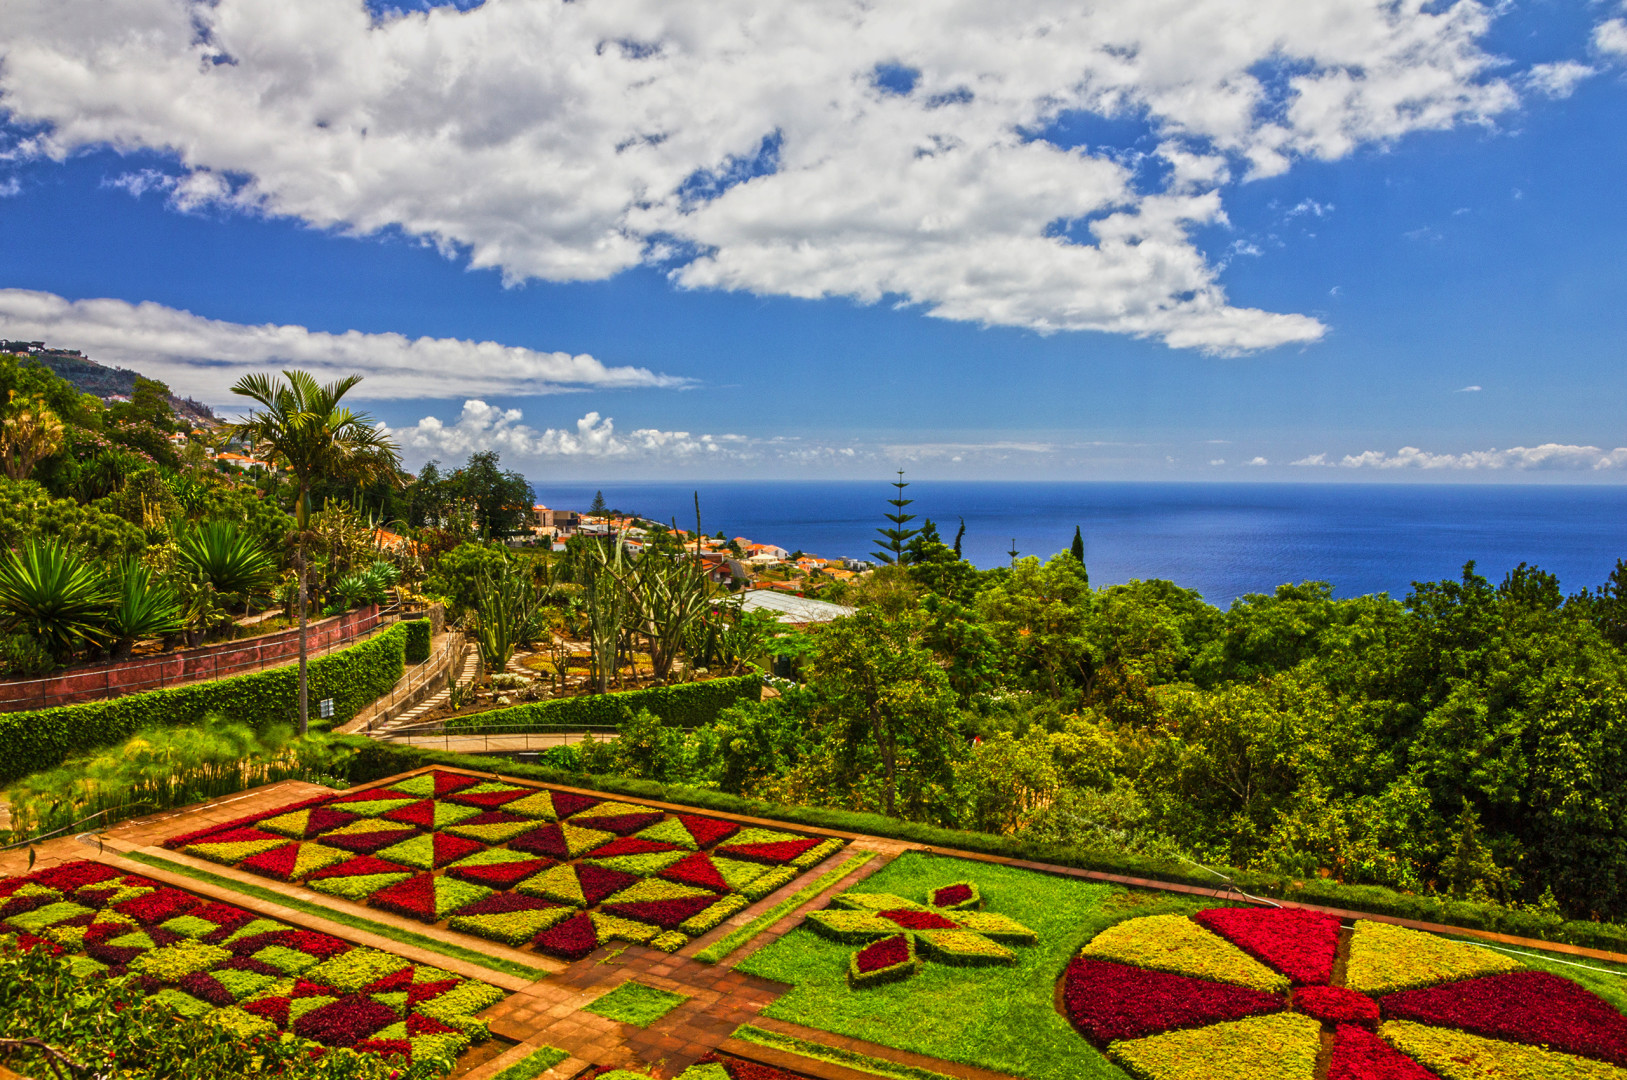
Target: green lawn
{"points": [[635, 1003], [1001, 1018]]}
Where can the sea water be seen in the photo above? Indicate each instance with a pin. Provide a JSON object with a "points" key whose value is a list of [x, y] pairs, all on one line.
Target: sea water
{"points": [[1224, 540]]}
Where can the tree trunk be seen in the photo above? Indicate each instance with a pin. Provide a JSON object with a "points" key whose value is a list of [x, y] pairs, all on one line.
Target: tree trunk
{"points": [[304, 698]]}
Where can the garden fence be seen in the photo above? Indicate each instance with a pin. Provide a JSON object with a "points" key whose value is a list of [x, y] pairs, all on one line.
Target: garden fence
{"points": [[497, 738]]}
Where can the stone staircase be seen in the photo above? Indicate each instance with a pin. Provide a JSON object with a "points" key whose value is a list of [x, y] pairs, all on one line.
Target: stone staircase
{"points": [[467, 672]]}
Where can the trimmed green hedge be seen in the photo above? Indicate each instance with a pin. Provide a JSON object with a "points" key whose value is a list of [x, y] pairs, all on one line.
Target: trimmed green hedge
{"points": [[418, 634], [685, 705], [34, 741], [376, 760]]}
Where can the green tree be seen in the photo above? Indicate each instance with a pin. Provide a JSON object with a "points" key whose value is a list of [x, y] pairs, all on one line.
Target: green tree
{"points": [[500, 501], [29, 431], [894, 539], [1078, 548], [302, 424], [598, 508]]}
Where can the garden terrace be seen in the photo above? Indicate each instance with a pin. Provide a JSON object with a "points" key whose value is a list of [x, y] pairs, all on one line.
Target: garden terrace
{"points": [[1067, 976]]}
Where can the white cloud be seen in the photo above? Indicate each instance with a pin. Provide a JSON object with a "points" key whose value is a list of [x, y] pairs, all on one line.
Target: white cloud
{"points": [[1559, 80], [1548, 456], [1218, 461], [10, 186], [1468, 390], [1311, 459], [203, 357], [747, 147], [1258, 461], [1309, 206], [1610, 37], [484, 427]]}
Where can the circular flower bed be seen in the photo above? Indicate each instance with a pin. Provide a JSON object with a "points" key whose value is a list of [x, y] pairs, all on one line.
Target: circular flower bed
{"points": [[1248, 994]]}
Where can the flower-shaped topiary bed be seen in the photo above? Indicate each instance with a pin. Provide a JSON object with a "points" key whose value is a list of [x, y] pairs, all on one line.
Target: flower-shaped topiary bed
{"points": [[556, 871], [1235, 993], [201, 957]]}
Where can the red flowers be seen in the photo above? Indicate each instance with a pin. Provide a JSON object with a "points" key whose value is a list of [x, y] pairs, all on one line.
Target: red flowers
{"points": [[1358, 1054], [776, 851], [886, 953], [1110, 1001], [950, 895], [666, 914], [344, 1022], [160, 906], [1336, 1005], [918, 920], [570, 940], [1296, 942], [1523, 1006], [696, 869], [706, 831]]}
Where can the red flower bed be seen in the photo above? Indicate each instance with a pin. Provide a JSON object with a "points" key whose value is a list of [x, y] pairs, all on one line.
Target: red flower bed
{"points": [[425, 1025], [422, 992], [368, 842], [362, 864], [449, 848], [500, 875], [566, 803], [75, 875], [157, 907], [1523, 1006], [277, 863], [570, 940], [344, 1022], [1110, 1001], [19, 905], [488, 800], [883, 954], [504, 902], [625, 824], [414, 898], [324, 818], [387, 1048], [274, 1009], [697, 870], [401, 980], [1336, 1005], [628, 845], [950, 895], [1296, 942], [707, 831], [666, 914], [420, 814], [777, 852], [205, 987], [446, 783], [1358, 1054], [548, 840], [599, 882], [918, 920]]}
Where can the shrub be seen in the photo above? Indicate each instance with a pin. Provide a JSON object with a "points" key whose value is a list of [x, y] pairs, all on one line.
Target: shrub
{"points": [[418, 638], [34, 741], [684, 705]]}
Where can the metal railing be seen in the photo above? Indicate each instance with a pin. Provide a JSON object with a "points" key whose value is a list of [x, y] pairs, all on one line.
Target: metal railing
{"points": [[507, 737], [410, 690], [115, 678]]}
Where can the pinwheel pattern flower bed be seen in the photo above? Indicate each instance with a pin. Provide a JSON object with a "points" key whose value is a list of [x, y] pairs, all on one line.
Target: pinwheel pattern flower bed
{"points": [[896, 932], [511, 863], [1250, 993], [199, 957]]}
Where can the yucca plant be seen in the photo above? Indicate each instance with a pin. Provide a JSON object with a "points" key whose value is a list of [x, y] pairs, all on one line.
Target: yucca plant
{"points": [[228, 558], [49, 592], [143, 607]]}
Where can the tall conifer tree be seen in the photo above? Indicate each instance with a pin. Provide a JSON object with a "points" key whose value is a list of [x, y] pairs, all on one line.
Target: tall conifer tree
{"points": [[892, 549]]}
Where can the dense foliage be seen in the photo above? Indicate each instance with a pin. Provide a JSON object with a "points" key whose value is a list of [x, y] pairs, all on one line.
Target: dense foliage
{"points": [[1465, 740]]}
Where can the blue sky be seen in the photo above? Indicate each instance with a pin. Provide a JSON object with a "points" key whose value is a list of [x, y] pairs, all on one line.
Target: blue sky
{"points": [[1320, 286]]}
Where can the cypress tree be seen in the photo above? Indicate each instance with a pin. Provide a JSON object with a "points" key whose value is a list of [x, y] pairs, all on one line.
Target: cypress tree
{"points": [[958, 536], [1078, 545]]}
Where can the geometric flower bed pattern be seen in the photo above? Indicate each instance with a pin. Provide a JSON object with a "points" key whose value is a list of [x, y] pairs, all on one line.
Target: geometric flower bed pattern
{"points": [[554, 871], [1249, 993], [896, 933], [204, 958]]}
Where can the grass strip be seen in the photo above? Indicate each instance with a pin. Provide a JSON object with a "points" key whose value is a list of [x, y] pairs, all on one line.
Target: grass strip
{"points": [[635, 1003], [820, 1052], [533, 1064], [727, 944], [405, 937]]}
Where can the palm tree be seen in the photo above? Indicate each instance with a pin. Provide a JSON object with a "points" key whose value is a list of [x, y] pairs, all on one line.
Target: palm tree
{"points": [[301, 423]]}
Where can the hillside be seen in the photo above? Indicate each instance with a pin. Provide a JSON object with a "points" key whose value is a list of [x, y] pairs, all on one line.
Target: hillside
{"points": [[106, 382]]}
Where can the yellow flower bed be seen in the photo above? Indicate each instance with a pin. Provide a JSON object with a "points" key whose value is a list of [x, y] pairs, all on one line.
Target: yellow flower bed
{"points": [[1282, 1046], [1385, 958], [1457, 1055], [1176, 944]]}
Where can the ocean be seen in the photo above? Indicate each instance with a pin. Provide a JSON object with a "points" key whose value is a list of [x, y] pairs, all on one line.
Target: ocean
{"points": [[1224, 540]]}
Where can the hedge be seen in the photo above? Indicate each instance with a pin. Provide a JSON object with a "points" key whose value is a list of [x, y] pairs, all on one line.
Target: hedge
{"points": [[418, 633], [41, 739], [376, 760], [685, 705]]}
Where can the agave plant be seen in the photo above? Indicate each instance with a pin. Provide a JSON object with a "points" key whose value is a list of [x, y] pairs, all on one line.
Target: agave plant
{"points": [[228, 558], [369, 586], [142, 607], [49, 592]]}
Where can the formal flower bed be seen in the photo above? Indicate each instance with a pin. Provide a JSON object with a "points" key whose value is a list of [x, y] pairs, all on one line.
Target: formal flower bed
{"points": [[202, 957], [1249, 993], [516, 864], [884, 923]]}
